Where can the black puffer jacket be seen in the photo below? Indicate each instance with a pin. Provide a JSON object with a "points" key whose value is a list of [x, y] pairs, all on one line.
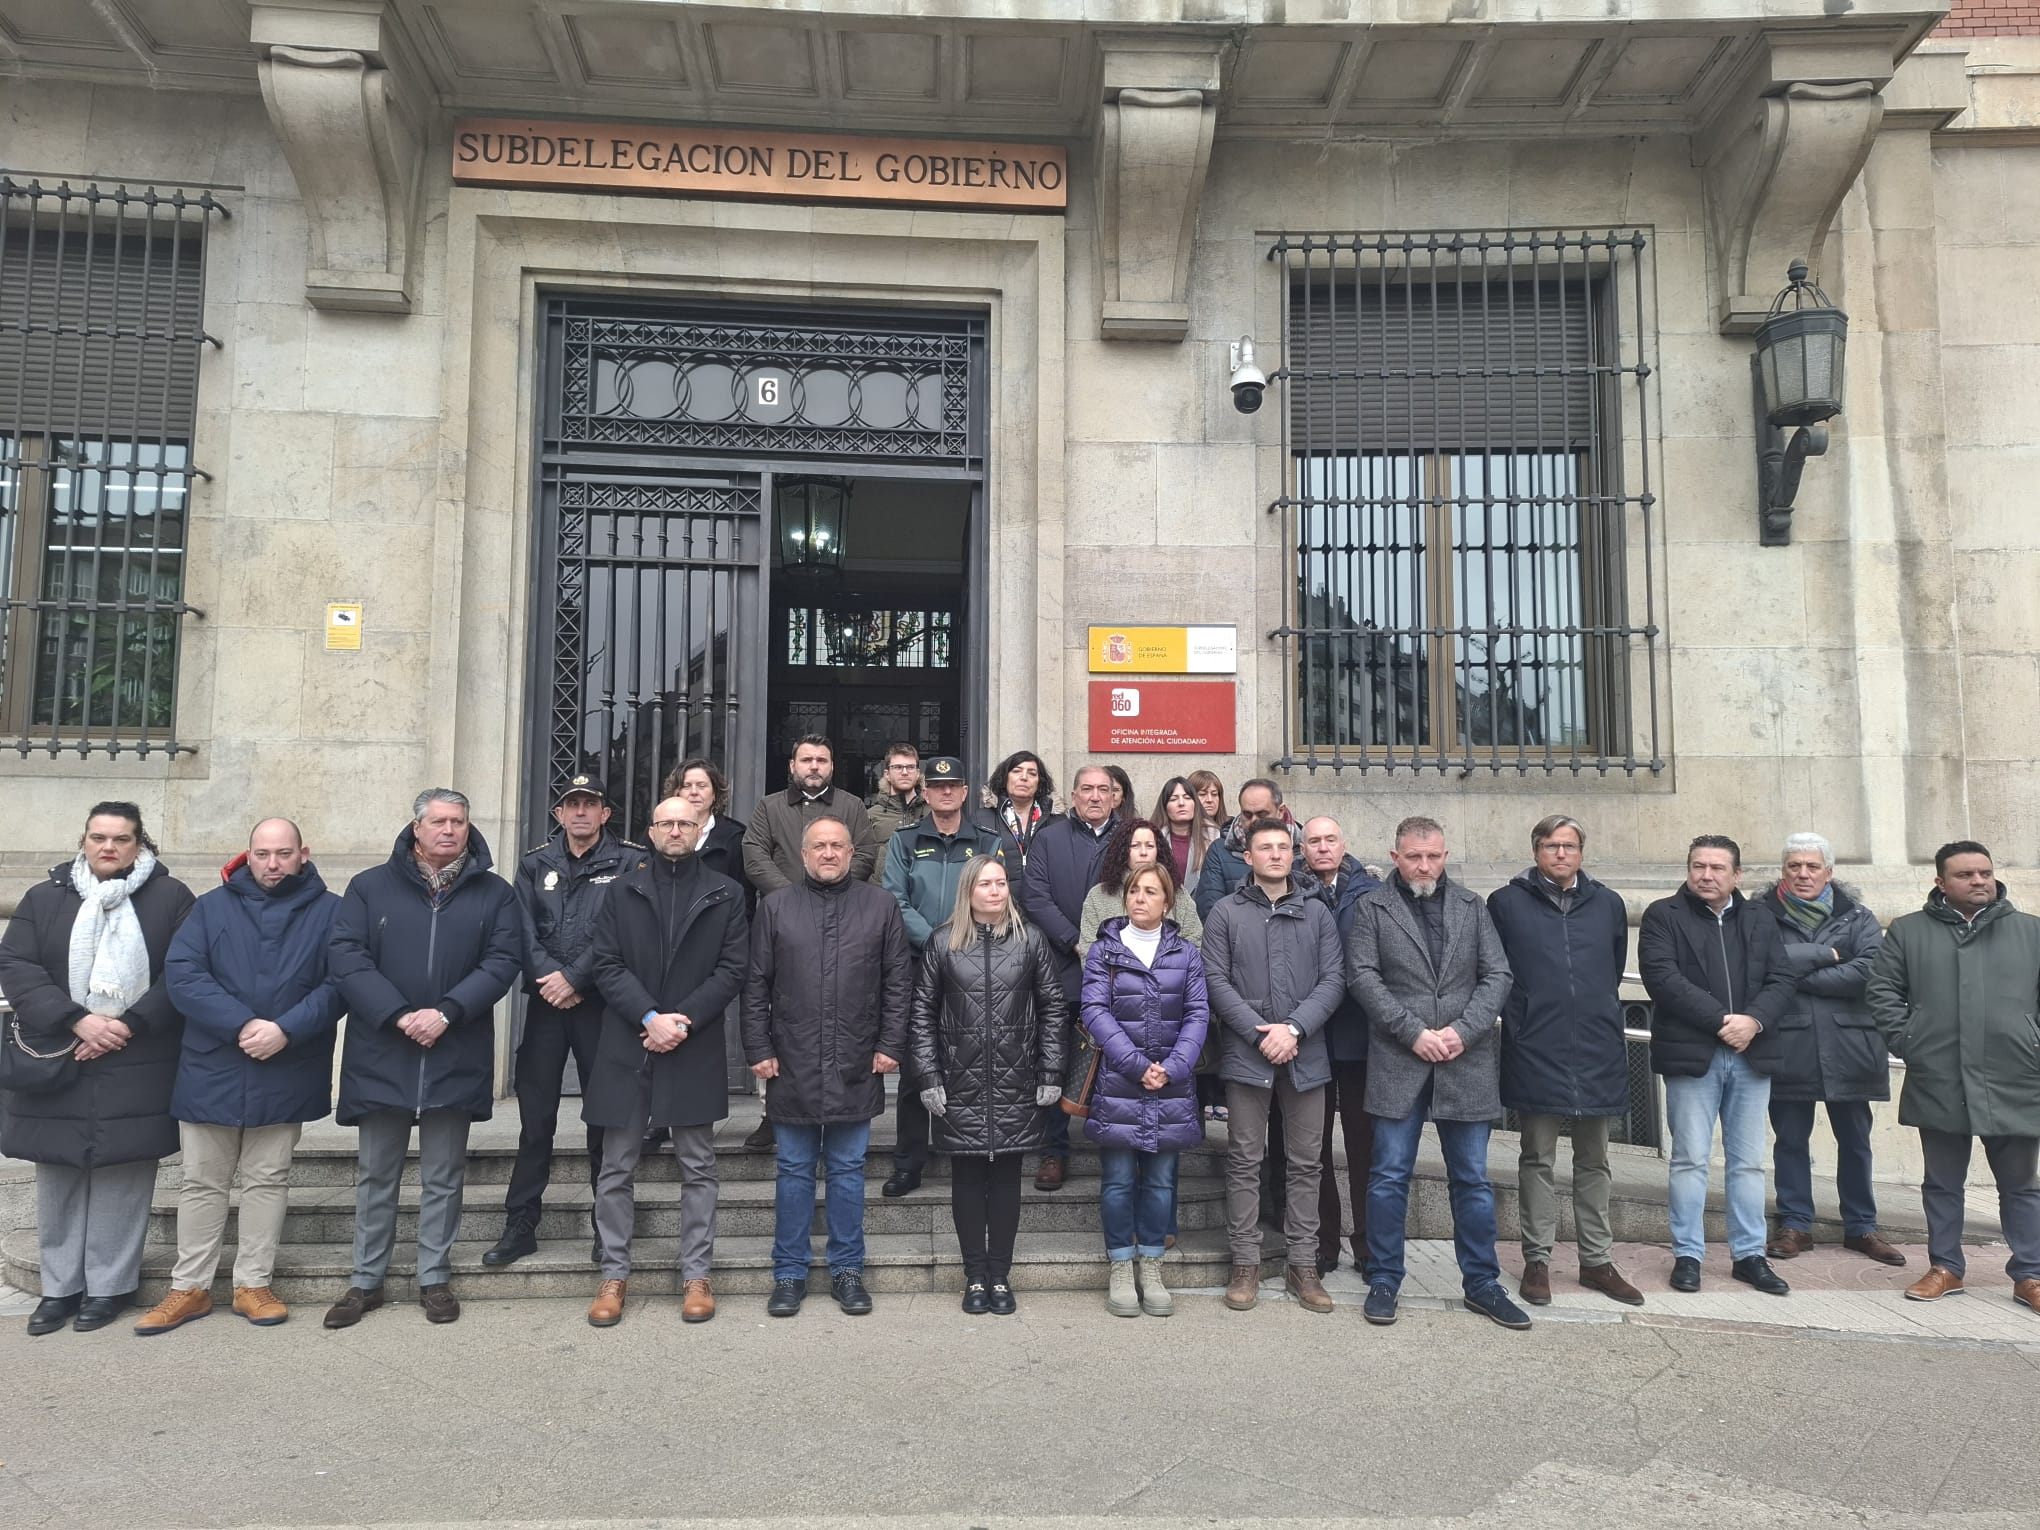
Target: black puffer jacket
{"points": [[989, 1027], [1827, 1046], [117, 1108], [1680, 948], [830, 982], [393, 952]]}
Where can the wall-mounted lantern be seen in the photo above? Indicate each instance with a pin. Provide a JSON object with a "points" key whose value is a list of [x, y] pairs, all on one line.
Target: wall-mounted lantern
{"points": [[1796, 376]]}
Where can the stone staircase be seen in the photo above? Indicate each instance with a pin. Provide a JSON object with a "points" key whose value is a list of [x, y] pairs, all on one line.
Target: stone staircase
{"points": [[911, 1242]]}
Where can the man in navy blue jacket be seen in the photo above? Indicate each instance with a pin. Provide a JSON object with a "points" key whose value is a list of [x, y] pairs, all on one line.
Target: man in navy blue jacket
{"points": [[1341, 879], [247, 970]]}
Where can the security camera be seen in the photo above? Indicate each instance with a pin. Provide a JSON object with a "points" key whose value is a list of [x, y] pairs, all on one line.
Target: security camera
{"points": [[1248, 382]]}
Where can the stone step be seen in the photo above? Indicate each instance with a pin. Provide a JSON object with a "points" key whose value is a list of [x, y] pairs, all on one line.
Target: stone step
{"points": [[324, 1214], [312, 1275]]}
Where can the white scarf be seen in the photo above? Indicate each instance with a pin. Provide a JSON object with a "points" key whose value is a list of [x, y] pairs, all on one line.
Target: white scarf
{"points": [[109, 958]]}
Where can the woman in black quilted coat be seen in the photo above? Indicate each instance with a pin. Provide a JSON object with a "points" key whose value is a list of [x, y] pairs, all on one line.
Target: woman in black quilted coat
{"points": [[987, 1043]]}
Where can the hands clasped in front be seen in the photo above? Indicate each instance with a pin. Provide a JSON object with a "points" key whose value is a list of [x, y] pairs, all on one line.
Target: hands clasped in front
{"points": [[424, 1026], [1441, 1045], [98, 1035]]}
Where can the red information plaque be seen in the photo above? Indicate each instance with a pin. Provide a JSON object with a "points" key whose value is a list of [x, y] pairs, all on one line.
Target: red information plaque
{"points": [[1163, 716]]}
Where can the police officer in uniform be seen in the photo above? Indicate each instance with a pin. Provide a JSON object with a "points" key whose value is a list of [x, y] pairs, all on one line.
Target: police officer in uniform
{"points": [[560, 888]]}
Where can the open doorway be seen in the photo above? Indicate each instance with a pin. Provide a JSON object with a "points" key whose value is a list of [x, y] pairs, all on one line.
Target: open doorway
{"points": [[869, 623]]}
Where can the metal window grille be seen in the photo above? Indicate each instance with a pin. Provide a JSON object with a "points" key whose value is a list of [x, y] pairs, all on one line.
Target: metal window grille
{"points": [[1469, 502], [101, 325]]}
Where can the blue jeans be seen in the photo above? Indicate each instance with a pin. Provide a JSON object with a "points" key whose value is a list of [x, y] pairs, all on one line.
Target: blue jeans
{"points": [[1136, 1201], [1473, 1198], [1734, 1093], [1792, 1160], [838, 1148]]}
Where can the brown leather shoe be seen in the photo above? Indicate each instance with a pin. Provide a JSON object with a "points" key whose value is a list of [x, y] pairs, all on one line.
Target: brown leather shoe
{"points": [[352, 1307], [439, 1304], [1872, 1246], [1788, 1243], [260, 1306], [1608, 1280], [1244, 1289], [2027, 1293], [175, 1310], [1050, 1175], [606, 1311], [1536, 1284], [1939, 1281], [697, 1301], [1303, 1283]]}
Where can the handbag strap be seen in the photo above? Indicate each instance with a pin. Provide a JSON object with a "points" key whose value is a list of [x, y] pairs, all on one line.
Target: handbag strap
{"points": [[14, 1026]]}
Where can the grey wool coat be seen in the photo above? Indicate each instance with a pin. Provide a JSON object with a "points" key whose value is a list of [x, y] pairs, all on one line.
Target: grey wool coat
{"points": [[1389, 972], [1272, 964]]}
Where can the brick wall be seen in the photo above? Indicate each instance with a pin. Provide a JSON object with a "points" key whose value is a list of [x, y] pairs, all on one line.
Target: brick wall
{"points": [[1991, 18]]}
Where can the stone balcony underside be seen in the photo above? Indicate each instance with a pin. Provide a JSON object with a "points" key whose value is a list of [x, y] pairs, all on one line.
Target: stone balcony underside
{"points": [[1429, 67]]}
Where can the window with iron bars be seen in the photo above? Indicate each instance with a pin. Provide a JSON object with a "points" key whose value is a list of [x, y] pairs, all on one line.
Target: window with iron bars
{"points": [[101, 325], [1469, 504]]}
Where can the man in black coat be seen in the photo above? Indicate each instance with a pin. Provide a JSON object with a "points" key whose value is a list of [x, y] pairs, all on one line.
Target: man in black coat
{"points": [[1828, 1049], [1563, 1053], [1340, 880], [424, 946], [561, 886], [1718, 985], [1062, 868], [825, 1018], [670, 944]]}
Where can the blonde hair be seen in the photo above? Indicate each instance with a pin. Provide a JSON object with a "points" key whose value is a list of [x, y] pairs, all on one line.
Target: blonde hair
{"points": [[1160, 872], [963, 923]]}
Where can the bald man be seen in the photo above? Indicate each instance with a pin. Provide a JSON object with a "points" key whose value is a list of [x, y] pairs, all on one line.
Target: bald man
{"points": [[247, 970]]}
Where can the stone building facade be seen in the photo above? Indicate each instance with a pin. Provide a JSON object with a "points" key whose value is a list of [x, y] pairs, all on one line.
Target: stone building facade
{"points": [[375, 430]]}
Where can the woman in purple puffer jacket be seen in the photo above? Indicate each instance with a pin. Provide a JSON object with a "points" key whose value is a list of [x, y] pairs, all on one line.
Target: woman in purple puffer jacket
{"points": [[1144, 1004]]}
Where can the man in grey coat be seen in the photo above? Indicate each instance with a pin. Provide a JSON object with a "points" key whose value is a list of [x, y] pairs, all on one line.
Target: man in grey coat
{"points": [[1275, 974], [1426, 964]]}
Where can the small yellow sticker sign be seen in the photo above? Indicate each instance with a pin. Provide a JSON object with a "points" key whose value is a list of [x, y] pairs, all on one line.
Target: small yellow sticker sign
{"points": [[1164, 650], [343, 627]]}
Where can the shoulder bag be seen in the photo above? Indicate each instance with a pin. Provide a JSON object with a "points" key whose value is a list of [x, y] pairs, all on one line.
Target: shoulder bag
{"points": [[24, 1070]]}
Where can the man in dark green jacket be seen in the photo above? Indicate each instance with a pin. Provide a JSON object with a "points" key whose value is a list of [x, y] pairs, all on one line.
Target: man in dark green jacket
{"points": [[1955, 991]]}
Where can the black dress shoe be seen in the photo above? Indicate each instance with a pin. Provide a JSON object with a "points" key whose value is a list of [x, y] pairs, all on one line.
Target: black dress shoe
{"points": [[787, 1295], [97, 1311], [595, 1252], [977, 1301], [1326, 1263], [903, 1182], [1685, 1274], [517, 1241], [1003, 1305], [847, 1286], [53, 1312], [1756, 1271]]}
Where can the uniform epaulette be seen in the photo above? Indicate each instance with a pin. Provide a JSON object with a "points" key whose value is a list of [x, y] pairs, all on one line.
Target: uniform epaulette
{"points": [[631, 844], [539, 846]]}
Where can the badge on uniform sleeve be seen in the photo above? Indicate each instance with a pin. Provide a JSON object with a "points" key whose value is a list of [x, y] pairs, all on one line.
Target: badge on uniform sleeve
{"points": [[552, 880]]}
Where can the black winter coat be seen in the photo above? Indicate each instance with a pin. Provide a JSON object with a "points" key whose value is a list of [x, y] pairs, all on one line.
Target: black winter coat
{"points": [[1678, 949], [830, 983], [1562, 1047], [1828, 1047], [246, 954], [990, 1027], [393, 952], [1346, 1032], [559, 898], [721, 850], [692, 966], [117, 1109], [1062, 868]]}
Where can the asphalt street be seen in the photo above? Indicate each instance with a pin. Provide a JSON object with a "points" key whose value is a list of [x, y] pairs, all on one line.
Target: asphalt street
{"points": [[1063, 1416]]}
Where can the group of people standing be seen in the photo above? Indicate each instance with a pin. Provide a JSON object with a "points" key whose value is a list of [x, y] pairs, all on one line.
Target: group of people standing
{"points": [[1022, 967]]}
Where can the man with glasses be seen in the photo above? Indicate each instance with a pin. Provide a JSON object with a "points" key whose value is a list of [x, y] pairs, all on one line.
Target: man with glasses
{"points": [[670, 943], [897, 804], [1563, 1055]]}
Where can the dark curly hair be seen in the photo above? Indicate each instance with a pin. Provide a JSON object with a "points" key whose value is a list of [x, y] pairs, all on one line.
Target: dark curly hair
{"points": [[1112, 867], [718, 783], [1044, 794]]}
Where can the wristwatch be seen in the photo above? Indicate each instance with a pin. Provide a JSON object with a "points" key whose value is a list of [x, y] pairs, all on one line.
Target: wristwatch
{"points": [[1295, 1030]]}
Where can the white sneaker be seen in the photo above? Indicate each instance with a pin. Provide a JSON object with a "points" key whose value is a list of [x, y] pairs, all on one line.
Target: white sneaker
{"points": [[1122, 1297], [1155, 1300]]}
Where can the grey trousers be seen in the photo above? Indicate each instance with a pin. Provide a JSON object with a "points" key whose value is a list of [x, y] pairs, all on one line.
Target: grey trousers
{"points": [[213, 1155], [2013, 1163], [1537, 1190], [1303, 1131], [91, 1224], [616, 1201], [442, 1177]]}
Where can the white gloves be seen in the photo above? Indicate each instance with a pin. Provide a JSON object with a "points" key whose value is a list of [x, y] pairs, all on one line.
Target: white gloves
{"points": [[935, 1100], [1046, 1095]]}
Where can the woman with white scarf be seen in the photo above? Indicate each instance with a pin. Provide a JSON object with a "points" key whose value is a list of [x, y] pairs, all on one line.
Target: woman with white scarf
{"points": [[82, 965]]}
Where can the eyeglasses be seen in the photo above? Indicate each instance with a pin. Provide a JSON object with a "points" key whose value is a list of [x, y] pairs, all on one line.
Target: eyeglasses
{"points": [[1558, 846], [673, 825]]}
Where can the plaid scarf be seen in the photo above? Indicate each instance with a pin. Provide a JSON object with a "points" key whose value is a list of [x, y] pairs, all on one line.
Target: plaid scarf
{"points": [[439, 883], [1810, 915]]}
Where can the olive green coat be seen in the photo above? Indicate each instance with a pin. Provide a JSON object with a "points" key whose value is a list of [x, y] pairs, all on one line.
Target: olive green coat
{"points": [[1960, 1005]]}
